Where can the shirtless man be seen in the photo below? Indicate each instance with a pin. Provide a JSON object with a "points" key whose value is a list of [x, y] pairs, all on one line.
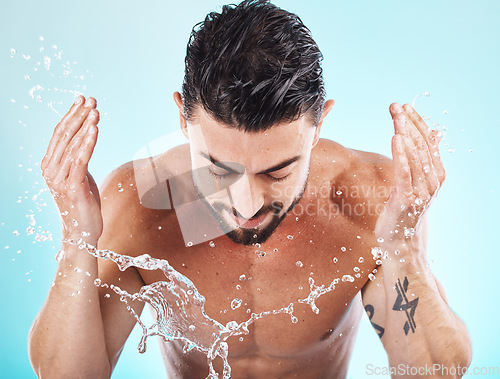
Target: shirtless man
{"points": [[252, 108]]}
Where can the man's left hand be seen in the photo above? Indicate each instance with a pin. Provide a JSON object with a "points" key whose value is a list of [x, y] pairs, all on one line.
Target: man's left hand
{"points": [[418, 175]]}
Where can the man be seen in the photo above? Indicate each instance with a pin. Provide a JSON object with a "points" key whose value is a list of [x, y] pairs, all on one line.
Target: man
{"points": [[287, 209]]}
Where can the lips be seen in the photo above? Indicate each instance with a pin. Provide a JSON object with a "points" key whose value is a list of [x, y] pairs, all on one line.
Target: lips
{"points": [[253, 222]]}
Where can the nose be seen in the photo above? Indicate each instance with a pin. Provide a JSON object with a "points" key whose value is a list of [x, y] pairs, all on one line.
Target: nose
{"points": [[247, 195]]}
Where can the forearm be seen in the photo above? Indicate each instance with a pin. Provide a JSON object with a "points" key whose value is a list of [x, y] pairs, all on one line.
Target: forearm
{"points": [[421, 329], [67, 337]]}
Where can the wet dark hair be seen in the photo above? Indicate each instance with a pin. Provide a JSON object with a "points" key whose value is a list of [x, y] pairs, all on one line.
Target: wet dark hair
{"points": [[252, 66]]}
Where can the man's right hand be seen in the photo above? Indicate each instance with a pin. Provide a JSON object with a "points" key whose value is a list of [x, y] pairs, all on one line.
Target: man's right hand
{"points": [[65, 170]]}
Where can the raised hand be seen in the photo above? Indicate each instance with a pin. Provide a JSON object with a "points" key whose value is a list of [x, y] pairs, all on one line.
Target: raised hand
{"points": [[418, 175], [65, 170]]}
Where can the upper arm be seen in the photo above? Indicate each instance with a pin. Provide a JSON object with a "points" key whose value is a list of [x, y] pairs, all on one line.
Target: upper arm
{"points": [[117, 321], [118, 216]]}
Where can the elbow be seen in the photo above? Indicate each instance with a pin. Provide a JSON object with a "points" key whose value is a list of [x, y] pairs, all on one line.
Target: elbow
{"points": [[459, 355], [54, 364], [465, 355]]}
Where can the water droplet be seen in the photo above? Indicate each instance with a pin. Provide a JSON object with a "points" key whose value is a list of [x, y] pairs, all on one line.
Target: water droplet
{"points": [[356, 269], [159, 227], [16, 232], [358, 275], [275, 250], [380, 240], [46, 62], [260, 253], [240, 339], [189, 244], [339, 192], [238, 287], [335, 260], [75, 222], [371, 276], [235, 304], [361, 259], [445, 112], [290, 237], [296, 219], [358, 237], [211, 244], [107, 296], [343, 249], [85, 234], [242, 277], [378, 262], [299, 264], [451, 150], [418, 201], [13, 52], [426, 93], [97, 282], [120, 190], [409, 232], [471, 150], [347, 278], [402, 260], [192, 327]]}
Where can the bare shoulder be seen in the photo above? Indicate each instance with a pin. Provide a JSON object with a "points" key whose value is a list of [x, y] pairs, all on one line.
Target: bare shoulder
{"points": [[359, 178], [135, 196]]}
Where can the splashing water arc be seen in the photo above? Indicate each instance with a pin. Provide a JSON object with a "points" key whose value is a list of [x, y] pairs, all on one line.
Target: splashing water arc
{"points": [[180, 309]]}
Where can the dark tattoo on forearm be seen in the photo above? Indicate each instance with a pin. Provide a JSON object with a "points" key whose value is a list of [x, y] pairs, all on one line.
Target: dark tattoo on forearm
{"points": [[402, 304], [370, 311]]}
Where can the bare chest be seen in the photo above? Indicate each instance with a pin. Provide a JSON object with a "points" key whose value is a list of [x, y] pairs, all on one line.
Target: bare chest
{"points": [[317, 265]]}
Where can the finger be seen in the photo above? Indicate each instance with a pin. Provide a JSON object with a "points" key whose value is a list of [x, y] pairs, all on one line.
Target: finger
{"points": [[416, 171], [395, 109], [419, 123], [401, 167], [65, 133], [73, 148], [431, 139], [78, 171], [54, 139], [424, 155]]}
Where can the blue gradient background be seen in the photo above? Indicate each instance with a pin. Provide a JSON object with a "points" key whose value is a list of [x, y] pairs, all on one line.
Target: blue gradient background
{"points": [[132, 56]]}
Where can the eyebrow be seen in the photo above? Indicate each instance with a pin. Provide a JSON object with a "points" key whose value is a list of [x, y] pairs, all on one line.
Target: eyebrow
{"points": [[277, 167]]}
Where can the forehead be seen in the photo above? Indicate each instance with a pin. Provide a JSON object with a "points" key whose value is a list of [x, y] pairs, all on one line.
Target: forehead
{"points": [[250, 149]]}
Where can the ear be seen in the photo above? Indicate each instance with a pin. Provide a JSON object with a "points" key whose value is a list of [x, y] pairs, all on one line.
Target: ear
{"points": [[178, 102], [326, 109]]}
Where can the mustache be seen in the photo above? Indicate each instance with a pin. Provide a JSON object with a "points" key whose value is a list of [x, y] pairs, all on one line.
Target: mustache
{"points": [[275, 207]]}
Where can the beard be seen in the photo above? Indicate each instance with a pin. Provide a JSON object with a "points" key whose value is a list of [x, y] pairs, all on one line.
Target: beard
{"points": [[245, 236]]}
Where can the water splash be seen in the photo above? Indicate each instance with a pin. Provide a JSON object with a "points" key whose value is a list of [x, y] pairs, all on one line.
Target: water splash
{"points": [[315, 292], [180, 309]]}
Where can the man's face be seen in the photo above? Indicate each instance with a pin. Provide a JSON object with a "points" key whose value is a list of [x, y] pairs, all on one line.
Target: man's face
{"points": [[258, 177]]}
